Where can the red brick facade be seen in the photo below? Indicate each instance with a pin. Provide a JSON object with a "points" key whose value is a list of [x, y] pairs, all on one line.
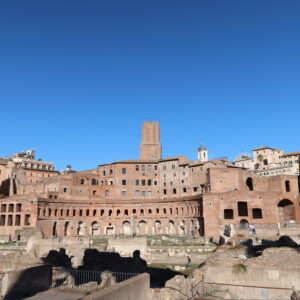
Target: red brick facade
{"points": [[151, 196]]}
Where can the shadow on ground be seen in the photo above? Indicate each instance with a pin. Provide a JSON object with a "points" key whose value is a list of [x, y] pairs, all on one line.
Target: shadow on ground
{"points": [[257, 250], [28, 285]]}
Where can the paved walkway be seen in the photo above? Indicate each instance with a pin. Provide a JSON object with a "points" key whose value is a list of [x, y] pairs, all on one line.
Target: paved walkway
{"points": [[57, 295]]}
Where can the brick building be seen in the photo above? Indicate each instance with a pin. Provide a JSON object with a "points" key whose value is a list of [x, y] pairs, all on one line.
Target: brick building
{"points": [[150, 195]]}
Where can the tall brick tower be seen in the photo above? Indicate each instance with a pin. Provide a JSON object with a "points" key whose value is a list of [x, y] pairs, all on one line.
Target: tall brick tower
{"points": [[150, 146]]}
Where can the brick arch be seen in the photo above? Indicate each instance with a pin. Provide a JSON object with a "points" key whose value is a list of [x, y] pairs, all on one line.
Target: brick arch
{"points": [[286, 210]]}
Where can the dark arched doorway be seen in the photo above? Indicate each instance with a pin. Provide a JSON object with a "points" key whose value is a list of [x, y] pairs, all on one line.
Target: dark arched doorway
{"points": [[286, 210], [54, 229], [244, 224]]}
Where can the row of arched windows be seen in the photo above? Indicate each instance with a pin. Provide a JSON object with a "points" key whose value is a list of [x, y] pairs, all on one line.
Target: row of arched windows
{"points": [[56, 212]]}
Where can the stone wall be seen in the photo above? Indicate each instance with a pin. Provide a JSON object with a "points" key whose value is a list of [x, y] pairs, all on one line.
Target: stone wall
{"points": [[253, 283], [21, 284], [136, 288]]}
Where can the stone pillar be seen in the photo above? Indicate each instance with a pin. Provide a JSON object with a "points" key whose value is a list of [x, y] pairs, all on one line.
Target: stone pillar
{"points": [[11, 186]]}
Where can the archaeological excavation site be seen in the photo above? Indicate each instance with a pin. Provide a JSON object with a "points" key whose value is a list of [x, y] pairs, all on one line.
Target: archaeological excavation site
{"points": [[151, 228]]}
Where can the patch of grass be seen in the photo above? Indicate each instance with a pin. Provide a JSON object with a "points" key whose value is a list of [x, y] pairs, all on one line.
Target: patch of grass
{"points": [[239, 268]]}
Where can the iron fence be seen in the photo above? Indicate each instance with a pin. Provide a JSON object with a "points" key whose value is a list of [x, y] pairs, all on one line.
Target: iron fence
{"points": [[85, 280]]}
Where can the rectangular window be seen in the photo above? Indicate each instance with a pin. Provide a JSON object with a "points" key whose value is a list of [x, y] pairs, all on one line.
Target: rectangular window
{"points": [[174, 191], [164, 167], [165, 191], [173, 166], [137, 193], [155, 167], [111, 171], [149, 167], [27, 220], [184, 190], [123, 170], [155, 182], [195, 189], [149, 193], [149, 182], [123, 193], [10, 220], [143, 182], [137, 167], [19, 207], [106, 193], [2, 220], [123, 182], [18, 220], [228, 213], [143, 167], [137, 182], [65, 190], [104, 172], [143, 193]]}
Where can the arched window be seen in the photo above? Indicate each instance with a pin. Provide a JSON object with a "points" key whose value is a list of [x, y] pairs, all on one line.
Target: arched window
{"points": [[94, 181], [249, 183]]}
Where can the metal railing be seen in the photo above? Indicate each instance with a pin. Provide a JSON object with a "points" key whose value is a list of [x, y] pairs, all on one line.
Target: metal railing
{"points": [[84, 280]]}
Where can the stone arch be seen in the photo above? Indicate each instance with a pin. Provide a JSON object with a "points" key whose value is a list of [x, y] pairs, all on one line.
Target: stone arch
{"points": [[244, 224], [126, 228], [110, 230], [157, 227], [102, 212], [142, 212], [81, 228], [181, 228], [95, 229], [286, 210], [171, 227], [66, 229], [249, 183], [143, 227]]}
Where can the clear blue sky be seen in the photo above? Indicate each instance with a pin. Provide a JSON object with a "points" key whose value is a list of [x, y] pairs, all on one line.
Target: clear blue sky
{"points": [[78, 78]]}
